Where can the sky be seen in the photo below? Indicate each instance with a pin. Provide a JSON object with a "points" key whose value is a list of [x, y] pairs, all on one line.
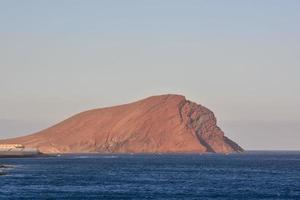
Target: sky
{"points": [[241, 59]]}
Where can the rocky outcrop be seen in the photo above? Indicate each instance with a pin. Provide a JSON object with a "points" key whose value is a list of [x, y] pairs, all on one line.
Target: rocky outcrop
{"points": [[2, 166], [2, 173], [158, 124]]}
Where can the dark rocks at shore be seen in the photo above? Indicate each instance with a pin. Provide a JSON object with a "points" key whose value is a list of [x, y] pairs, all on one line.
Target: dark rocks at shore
{"points": [[2, 166], [2, 173]]}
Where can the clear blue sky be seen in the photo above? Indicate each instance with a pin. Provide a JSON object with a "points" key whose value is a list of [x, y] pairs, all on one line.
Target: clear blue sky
{"points": [[241, 59]]}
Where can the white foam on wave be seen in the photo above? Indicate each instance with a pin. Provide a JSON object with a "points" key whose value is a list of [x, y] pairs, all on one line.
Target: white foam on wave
{"points": [[109, 156]]}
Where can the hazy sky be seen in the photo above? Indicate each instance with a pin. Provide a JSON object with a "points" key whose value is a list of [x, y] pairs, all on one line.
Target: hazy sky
{"points": [[241, 59]]}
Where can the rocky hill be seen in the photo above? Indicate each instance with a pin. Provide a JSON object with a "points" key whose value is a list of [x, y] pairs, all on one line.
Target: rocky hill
{"points": [[158, 124]]}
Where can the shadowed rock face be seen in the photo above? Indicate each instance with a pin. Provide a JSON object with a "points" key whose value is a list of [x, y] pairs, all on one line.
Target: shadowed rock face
{"points": [[165, 124]]}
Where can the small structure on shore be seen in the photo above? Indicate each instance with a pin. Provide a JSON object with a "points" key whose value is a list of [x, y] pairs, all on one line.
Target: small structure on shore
{"points": [[17, 150], [11, 146]]}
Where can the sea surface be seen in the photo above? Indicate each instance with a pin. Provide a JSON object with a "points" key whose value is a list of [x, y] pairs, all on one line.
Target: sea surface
{"points": [[250, 175]]}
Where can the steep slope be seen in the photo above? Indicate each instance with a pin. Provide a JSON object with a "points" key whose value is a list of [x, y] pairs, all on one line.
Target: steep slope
{"points": [[166, 123]]}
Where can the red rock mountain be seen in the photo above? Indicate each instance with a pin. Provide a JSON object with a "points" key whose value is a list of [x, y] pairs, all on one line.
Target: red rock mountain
{"points": [[158, 124]]}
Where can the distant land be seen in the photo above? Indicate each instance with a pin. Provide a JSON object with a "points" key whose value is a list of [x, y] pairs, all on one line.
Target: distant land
{"points": [[157, 124]]}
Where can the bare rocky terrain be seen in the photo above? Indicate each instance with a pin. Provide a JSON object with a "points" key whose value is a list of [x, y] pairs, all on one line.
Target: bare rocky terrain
{"points": [[158, 124]]}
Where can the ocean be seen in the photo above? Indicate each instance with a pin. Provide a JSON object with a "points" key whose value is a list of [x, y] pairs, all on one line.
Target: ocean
{"points": [[250, 175]]}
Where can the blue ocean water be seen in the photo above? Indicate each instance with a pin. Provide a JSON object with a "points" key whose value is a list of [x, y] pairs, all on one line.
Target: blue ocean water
{"points": [[251, 175]]}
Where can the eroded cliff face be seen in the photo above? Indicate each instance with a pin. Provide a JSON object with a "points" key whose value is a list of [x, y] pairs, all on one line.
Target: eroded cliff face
{"points": [[158, 124], [203, 124]]}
